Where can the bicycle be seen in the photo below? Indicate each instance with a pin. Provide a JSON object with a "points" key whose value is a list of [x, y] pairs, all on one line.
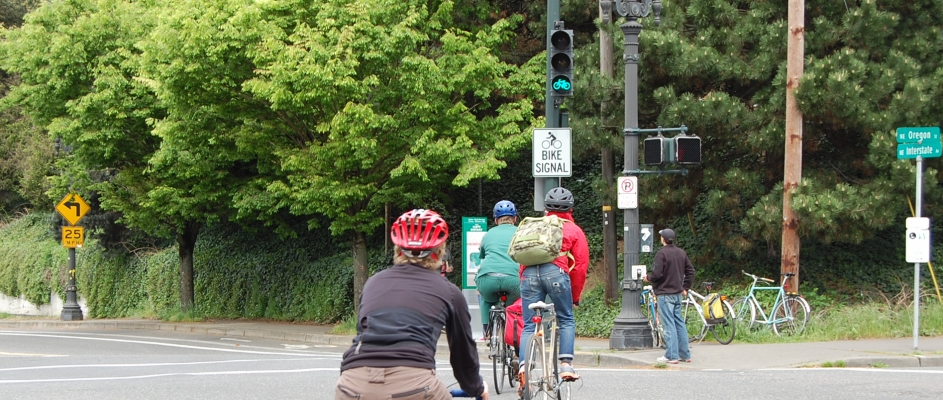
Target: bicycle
{"points": [[723, 329], [542, 368], [551, 141], [500, 353], [790, 311], [650, 307]]}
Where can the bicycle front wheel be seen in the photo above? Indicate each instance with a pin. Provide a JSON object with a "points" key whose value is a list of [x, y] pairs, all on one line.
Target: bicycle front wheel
{"points": [[693, 319], [790, 316], [498, 353], [745, 309], [725, 329]]}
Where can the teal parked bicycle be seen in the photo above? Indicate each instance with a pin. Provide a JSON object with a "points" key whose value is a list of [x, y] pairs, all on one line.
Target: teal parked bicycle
{"points": [[790, 311]]}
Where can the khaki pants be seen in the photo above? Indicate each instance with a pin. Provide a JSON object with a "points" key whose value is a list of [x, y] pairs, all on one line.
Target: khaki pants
{"points": [[400, 383]]}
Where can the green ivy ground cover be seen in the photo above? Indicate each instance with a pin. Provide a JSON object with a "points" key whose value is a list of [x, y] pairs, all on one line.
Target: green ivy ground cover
{"points": [[237, 274]]}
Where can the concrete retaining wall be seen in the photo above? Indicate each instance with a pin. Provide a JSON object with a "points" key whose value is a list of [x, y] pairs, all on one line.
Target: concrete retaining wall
{"points": [[20, 306]]}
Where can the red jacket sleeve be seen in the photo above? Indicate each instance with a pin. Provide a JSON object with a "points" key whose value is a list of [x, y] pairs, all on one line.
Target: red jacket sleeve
{"points": [[574, 242]]}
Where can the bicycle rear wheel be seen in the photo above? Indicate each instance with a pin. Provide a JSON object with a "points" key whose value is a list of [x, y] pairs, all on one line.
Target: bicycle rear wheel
{"points": [[498, 353], [652, 316], [693, 320], [791, 316], [726, 329], [534, 370]]}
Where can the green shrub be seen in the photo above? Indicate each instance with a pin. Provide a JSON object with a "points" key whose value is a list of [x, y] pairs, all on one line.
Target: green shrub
{"points": [[32, 263]]}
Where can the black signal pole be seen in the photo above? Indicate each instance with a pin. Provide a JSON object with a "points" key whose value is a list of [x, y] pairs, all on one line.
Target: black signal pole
{"points": [[630, 329]]}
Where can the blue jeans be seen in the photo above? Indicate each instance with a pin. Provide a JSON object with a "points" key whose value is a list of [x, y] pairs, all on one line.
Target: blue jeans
{"points": [[537, 283], [676, 333]]}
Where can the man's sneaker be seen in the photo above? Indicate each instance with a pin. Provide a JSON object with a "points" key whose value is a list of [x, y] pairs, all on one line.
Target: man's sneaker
{"points": [[666, 360], [515, 365], [567, 373], [688, 360]]}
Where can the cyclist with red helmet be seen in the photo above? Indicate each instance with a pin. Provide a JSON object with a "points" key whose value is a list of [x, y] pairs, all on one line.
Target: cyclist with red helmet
{"points": [[402, 312], [498, 272]]}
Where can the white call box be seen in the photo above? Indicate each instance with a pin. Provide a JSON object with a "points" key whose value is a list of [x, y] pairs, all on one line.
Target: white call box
{"points": [[917, 239]]}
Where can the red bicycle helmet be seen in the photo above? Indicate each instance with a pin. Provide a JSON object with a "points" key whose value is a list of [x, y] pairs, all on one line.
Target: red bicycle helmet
{"points": [[419, 229]]}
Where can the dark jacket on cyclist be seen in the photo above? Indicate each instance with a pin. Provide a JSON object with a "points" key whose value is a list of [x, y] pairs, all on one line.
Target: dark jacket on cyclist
{"points": [[402, 312], [672, 272]]}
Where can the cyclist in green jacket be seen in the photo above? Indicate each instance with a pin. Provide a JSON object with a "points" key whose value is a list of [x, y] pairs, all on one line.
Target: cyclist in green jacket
{"points": [[498, 272]]}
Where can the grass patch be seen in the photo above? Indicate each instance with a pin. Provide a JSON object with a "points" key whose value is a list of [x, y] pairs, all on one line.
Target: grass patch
{"points": [[660, 366], [347, 326], [878, 365], [836, 364], [177, 315], [874, 320]]}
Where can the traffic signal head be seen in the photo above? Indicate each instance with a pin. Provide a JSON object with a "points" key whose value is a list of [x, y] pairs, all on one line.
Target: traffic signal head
{"points": [[688, 149], [658, 150], [561, 62]]}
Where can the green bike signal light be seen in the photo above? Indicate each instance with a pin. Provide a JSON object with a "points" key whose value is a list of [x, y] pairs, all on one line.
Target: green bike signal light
{"points": [[561, 62]]}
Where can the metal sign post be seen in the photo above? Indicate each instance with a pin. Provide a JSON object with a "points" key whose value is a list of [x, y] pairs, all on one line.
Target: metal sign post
{"points": [[72, 208], [918, 143]]}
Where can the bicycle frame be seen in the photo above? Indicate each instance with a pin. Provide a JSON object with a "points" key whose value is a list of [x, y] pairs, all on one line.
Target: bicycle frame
{"points": [[648, 299], [751, 296], [547, 385]]}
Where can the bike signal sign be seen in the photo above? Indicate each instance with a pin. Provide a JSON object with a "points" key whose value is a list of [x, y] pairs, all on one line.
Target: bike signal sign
{"points": [[72, 208], [552, 153]]}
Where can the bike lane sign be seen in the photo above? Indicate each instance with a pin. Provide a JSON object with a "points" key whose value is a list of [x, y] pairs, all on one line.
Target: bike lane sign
{"points": [[552, 152]]}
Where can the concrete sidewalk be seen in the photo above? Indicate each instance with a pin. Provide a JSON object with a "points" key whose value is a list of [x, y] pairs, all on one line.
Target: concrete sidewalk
{"points": [[590, 352]]}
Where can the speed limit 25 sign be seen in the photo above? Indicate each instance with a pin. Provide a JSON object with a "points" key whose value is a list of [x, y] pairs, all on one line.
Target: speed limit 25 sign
{"points": [[73, 236]]}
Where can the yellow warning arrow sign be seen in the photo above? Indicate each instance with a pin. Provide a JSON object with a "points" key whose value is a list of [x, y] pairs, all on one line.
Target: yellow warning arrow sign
{"points": [[73, 208]]}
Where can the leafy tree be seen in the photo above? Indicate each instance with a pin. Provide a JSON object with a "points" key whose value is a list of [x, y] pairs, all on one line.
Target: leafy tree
{"points": [[718, 66], [79, 69], [385, 102]]}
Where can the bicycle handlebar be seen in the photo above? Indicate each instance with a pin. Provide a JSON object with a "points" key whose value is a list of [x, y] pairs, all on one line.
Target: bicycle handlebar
{"points": [[461, 393], [757, 277]]}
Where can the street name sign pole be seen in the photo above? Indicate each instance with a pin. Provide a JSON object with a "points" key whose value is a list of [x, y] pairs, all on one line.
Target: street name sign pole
{"points": [[918, 143]]}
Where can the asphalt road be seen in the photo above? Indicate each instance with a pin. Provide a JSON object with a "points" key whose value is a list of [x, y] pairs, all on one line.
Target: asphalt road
{"points": [[99, 365]]}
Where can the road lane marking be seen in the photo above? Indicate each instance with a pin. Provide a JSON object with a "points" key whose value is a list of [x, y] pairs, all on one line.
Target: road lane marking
{"points": [[148, 364], [114, 378], [5, 354], [274, 353]]}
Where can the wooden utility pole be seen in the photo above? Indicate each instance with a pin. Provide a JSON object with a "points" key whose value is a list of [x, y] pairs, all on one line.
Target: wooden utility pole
{"points": [[792, 169], [612, 291]]}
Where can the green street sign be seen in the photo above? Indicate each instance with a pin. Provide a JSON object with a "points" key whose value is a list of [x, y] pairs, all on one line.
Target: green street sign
{"points": [[927, 149], [917, 134]]}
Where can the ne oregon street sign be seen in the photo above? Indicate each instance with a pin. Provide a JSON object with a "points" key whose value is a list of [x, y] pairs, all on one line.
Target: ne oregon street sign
{"points": [[919, 141], [917, 134]]}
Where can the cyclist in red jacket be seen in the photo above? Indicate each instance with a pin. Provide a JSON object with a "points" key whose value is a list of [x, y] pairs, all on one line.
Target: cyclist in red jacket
{"points": [[562, 280]]}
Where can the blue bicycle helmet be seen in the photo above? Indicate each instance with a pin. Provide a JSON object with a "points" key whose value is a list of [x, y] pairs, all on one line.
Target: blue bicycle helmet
{"points": [[504, 208]]}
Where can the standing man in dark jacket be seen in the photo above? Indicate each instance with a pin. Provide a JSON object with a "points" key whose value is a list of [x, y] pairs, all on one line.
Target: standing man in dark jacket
{"points": [[672, 275]]}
